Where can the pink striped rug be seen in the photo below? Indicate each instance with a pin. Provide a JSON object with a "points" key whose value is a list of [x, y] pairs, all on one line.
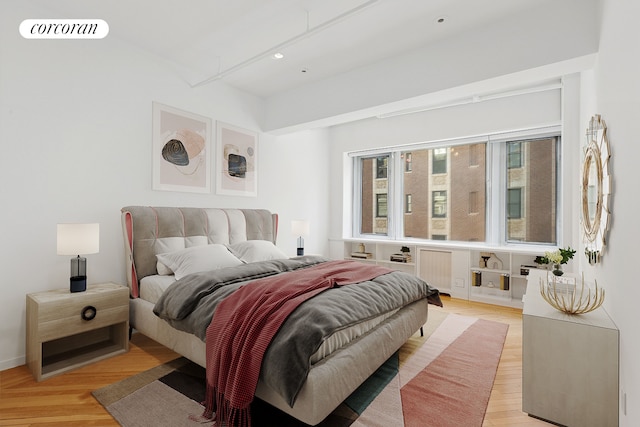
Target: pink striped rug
{"points": [[446, 381]]}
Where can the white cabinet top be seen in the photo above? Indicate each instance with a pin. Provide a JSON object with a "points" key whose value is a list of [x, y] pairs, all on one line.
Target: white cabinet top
{"points": [[535, 305]]}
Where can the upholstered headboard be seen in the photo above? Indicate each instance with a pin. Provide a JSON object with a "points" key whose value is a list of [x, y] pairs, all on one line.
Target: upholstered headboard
{"points": [[149, 231]]}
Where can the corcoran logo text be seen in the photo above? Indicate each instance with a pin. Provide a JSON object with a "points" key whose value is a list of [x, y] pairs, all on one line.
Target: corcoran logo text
{"points": [[64, 29]]}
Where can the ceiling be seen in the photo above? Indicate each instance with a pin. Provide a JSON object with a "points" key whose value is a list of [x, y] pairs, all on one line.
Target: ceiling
{"points": [[233, 41]]}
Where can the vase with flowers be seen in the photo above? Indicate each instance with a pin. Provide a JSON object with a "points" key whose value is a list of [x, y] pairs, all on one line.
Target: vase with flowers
{"points": [[556, 259]]}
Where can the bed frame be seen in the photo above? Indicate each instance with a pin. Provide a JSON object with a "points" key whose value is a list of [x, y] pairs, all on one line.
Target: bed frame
{"points": [[152, 230]]}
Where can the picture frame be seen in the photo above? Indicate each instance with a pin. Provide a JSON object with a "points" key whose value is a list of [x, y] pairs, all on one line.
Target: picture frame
{"points": [[237, 161], [182, 150]]}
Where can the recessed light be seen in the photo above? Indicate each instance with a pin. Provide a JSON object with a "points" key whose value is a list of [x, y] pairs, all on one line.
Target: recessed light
{"points": [[278, 55]]}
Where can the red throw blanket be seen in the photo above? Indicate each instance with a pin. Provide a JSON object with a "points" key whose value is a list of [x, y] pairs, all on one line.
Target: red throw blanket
{"points": [[245, 322]]}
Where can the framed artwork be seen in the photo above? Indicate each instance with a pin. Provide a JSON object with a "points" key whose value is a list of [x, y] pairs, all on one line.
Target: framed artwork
{"points": [[237, 161], [182, 153]]}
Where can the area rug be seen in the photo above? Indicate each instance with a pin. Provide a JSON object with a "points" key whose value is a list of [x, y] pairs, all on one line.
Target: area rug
{"points": [[442, 379]]}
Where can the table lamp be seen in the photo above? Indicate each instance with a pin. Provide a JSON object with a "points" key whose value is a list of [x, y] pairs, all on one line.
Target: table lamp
{"points": [[77, 239], [300, 228]]}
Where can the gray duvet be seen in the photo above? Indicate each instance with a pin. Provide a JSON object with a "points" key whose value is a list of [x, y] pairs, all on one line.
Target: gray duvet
{"points": [[189, 303]]}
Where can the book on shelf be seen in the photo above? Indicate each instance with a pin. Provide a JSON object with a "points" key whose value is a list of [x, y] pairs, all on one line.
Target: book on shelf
{"points": [[400, 257], [361, 255]]}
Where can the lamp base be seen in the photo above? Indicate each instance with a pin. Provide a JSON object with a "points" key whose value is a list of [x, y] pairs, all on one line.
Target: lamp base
{"points": [[78, 284], [300, 251]]}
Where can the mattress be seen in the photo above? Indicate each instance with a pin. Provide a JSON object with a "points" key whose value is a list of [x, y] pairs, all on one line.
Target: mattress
{"points": [[151, 287]]}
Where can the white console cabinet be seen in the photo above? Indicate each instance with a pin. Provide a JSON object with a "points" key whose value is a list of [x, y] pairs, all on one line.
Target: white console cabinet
{"points": [[569, 363]]}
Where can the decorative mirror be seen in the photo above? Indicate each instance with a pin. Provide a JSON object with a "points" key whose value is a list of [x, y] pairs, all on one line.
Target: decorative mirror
{"points": [[596, 189]]}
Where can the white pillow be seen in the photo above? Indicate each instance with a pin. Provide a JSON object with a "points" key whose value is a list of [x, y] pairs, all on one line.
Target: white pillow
{"points": [[257, 250], [198, 258], [163, 270]]}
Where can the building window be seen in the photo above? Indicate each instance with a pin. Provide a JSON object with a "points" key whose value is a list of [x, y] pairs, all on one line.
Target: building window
{"points": [[439, 204], [407, 203], [438, 237], [474, 155], [407, 162], [514, 203], [439, 162], [514, 155], [382, 164], [381, 205], [473, 202]]}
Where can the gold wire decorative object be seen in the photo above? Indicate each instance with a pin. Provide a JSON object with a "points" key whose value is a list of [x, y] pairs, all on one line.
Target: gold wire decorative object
{"points": [[572, 302]]}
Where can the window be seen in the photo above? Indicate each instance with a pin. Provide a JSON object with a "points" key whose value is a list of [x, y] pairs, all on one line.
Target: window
{"points": [[473, 202], [439, 204], [382, 164], [531, 184], [461, 180], [514, 155], [497, 189], [381, 205], [439, 160], [407, 162], [514, 203], [374, 185], [474, 155]]}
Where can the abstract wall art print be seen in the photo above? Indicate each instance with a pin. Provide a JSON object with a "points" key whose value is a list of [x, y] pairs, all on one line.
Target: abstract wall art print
{"points": [[237, 161], [181, 150]]}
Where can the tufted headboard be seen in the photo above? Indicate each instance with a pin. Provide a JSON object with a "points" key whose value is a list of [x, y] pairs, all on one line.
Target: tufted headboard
{"points": [[152, 230]]}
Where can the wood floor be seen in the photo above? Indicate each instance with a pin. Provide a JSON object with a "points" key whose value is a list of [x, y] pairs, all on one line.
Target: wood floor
{"points": [[66, 400]]}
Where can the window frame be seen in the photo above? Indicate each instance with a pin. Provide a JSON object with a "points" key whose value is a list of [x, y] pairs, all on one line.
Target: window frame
{"points": [[496, 178]]}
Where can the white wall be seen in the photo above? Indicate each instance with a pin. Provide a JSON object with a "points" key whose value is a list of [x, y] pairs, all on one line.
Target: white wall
{"points": [[75, 132], [617, 88], [298, 179]]}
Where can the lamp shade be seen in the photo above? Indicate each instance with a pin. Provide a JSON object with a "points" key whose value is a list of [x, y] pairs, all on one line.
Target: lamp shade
{"points": [[300, 227], [77, 239]]}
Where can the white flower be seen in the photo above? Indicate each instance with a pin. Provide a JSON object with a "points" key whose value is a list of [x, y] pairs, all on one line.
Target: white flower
{"points": [[554, 257]]}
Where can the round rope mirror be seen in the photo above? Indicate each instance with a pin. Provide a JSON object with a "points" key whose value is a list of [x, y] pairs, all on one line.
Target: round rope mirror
{"points": [[596, 189]]}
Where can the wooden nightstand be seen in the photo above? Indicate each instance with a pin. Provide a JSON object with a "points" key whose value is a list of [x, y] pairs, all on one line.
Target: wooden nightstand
{"points": [[59, 339]]}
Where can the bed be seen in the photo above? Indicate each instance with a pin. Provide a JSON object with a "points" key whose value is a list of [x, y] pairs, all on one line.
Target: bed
{"points": [[345, 358]]}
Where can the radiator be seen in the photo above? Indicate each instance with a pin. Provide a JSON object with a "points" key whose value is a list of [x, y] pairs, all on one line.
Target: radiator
{"points": [[435, 268]]}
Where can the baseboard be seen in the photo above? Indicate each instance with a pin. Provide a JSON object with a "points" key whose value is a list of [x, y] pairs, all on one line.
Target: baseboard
{"points": [[12, 363]]}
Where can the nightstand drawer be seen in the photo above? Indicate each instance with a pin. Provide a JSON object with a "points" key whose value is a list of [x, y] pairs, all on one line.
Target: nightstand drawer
{"points": [[75, 324], [60, 304]]}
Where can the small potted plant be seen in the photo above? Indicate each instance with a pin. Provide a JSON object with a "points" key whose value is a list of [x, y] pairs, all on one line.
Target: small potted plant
{"points": [[556, 258]]}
